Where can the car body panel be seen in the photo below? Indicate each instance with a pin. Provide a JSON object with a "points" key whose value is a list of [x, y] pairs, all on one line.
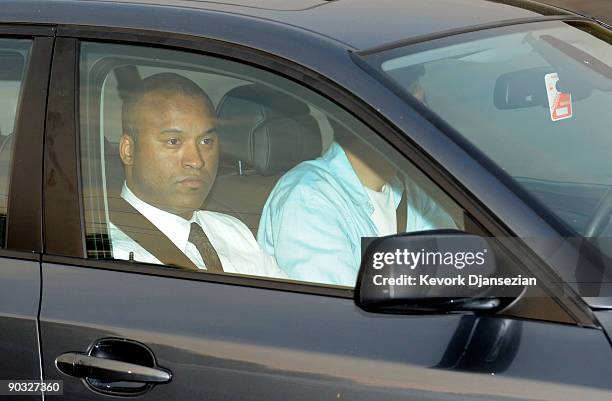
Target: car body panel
{"points": [[336, 19], [388, 21], [601, 9], [605, 319], [19, 301], [228, 342]]}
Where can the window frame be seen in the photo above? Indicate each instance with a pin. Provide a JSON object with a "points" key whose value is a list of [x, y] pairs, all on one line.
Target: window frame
{"points": [[71, 250], [24, 232]]}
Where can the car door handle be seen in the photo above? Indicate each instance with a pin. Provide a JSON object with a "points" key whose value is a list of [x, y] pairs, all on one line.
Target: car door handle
{"points": [[84, 366]]}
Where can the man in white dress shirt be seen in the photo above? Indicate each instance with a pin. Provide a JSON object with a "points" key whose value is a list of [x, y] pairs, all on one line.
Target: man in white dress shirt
{"points": [[170, 152]]}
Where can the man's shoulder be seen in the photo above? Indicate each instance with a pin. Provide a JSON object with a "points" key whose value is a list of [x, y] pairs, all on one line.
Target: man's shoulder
{"points": [[308, 171], [330, 173], [312, 178]]}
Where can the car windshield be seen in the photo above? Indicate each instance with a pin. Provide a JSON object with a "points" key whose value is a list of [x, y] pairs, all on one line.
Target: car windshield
{"points": [[535, 98]]}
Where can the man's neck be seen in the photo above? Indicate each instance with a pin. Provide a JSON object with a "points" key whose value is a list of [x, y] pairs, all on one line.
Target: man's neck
{"points": [[366, 174], [185, 214]]}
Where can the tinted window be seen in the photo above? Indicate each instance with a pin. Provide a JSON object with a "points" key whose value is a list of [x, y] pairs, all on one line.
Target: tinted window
{"points": [[535, 98], [13, 62], [208, 164]]}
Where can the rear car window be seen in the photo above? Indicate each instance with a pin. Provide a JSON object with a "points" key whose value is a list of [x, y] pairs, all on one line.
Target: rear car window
{"points": [[14, 55]]}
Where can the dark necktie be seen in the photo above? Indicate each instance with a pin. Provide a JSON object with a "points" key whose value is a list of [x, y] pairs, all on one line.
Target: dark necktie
{"points": [[198, 237]]}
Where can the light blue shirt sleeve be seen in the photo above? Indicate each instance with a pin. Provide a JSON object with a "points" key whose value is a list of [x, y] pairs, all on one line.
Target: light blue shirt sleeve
{"points": [[308, 238], [423, 212]]}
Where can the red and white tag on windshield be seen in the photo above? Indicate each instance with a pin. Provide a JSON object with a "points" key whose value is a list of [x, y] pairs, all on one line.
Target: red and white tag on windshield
{"points": [[559, 103]]}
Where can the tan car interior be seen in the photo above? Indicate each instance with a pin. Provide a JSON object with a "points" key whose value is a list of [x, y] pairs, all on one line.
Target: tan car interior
{"points": [[263, 133]]}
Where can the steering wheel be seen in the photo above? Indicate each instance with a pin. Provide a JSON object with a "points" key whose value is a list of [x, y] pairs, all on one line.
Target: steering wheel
{"points": [[601, 217]]}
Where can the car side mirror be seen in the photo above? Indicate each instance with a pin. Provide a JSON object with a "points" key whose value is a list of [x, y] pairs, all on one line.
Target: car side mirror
{"points": [[436, 271]]}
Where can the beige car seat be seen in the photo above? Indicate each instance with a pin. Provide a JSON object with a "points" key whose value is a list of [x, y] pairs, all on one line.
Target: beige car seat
{"points": [[263, 134]]}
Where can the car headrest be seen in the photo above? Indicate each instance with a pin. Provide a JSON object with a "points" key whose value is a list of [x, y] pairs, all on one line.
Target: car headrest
{"points": [[266, 129]]}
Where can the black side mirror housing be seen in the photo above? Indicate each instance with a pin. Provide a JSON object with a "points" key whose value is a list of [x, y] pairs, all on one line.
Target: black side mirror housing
{"points": [[437, 271]]}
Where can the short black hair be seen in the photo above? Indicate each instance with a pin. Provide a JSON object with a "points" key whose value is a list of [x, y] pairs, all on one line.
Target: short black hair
{"points": [[163, 82]]}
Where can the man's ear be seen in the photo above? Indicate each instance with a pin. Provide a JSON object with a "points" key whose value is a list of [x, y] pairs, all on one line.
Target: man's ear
{"points": [[126, 149]]}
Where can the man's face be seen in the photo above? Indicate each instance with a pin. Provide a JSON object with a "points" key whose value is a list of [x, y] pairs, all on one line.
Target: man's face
{"points": [[171, 162]]}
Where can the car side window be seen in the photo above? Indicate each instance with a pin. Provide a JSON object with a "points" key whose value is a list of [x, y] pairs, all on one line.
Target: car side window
{"points": [[14, 55], [211, 165]]}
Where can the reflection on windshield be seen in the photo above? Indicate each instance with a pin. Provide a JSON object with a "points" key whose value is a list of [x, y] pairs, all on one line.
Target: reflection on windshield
{"points": [[536, 99]]}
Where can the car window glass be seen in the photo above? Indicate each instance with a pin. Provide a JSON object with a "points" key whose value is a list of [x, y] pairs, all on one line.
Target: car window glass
{"points": [[213, 165], [13, 60], [534, 98]]}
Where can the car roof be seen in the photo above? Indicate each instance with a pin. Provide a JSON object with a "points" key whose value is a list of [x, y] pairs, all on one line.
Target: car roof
{"points": [[358, 24]]}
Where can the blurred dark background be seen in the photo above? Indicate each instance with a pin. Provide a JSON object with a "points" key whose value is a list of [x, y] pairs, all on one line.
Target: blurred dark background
{"points": [[602, 9]]}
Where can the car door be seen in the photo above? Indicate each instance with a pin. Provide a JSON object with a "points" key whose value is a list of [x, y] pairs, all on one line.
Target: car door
{"points": [[25, 61], [194, 335]]}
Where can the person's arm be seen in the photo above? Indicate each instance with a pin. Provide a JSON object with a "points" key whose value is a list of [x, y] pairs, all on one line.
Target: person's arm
{"points": [[423, 212], [239, 251], [307, 237]]}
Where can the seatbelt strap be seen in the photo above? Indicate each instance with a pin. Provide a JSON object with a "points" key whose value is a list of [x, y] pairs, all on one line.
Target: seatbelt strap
{"points": [[401, 213], [142, 231]]}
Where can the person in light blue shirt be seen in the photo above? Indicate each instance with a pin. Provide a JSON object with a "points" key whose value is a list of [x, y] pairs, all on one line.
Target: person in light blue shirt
{"points": [[317, 213]]}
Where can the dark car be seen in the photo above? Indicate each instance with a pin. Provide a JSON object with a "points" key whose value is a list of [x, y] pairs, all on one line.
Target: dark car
{"points": [[284, 121], [602, 9]]}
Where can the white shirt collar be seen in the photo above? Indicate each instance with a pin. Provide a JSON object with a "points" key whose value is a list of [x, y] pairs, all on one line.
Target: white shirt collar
{"points": [[172, 226]]}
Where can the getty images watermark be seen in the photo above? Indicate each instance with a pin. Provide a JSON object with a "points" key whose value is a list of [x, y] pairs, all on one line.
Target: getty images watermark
{"points": [[459, 260], [441, 264]]}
